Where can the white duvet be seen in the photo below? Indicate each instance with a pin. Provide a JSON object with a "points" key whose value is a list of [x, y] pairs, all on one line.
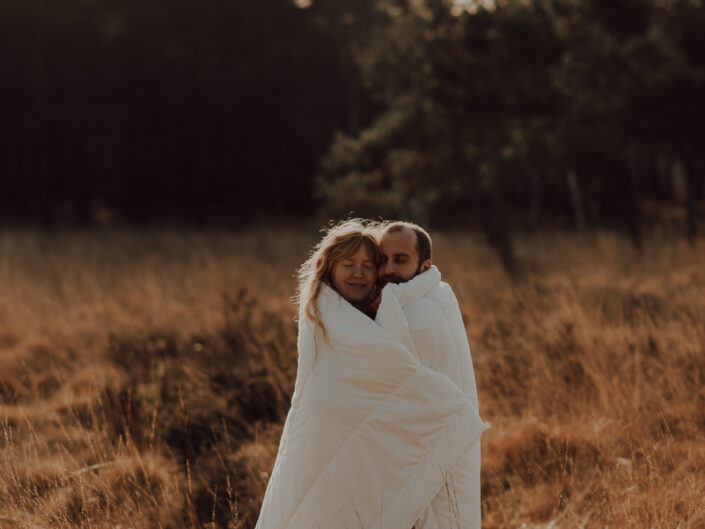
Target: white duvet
{"points": [[371, 434], [424, 314]]}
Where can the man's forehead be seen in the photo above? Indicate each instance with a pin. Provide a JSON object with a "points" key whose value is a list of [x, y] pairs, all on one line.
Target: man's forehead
{"points": [[399, 241]]}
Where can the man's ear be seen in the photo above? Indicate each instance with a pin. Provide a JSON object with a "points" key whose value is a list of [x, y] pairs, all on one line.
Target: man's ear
{"points": [[425, 265]]}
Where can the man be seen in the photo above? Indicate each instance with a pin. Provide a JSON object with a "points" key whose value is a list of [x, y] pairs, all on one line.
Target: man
{"points": [[433, 324]]}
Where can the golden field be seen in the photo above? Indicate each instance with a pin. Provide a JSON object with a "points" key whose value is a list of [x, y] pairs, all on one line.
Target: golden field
{"points": [[144, 376]]}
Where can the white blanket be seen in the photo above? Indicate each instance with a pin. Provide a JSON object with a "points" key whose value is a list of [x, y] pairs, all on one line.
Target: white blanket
{"points": [[424, 314], [371, 433]]}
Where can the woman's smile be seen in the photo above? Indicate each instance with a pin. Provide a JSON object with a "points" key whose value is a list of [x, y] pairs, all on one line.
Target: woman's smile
{"points": [[354, 276]]}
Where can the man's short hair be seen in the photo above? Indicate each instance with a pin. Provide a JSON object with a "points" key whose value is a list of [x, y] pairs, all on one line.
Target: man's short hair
{"points": [[423, 239]]}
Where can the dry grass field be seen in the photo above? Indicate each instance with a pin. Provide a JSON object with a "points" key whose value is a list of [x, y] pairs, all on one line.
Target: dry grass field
{"points": [[144, 376]]}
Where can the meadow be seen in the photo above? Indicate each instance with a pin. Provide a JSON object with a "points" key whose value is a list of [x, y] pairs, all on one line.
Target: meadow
{"points": [[145, 375]]}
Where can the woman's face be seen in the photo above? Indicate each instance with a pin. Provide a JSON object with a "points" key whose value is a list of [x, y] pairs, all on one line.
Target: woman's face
{"points": [[354, 277]]}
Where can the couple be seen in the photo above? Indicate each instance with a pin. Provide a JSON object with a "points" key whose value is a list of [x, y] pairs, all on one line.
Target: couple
{"points": [[383, 430]]}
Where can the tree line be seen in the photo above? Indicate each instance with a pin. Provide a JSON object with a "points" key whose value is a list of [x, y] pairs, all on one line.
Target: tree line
{"points": [[507, 114]]}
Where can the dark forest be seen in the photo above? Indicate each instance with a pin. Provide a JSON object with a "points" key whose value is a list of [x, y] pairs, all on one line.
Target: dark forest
{"points": [[502, 115]]}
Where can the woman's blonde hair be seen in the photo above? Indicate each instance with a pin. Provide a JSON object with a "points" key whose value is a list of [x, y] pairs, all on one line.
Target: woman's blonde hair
{"points": [[339, 242]]}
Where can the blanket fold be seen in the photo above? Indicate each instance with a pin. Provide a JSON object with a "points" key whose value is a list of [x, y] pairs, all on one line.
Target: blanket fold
{"points": [[425, 312], [371, 433]]}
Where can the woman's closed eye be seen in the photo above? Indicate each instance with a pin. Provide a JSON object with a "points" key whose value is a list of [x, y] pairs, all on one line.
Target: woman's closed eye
{"points": [[352, 265]]}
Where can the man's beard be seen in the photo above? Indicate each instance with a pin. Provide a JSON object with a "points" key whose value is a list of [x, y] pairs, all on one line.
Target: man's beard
{"points": [[391, 278]]}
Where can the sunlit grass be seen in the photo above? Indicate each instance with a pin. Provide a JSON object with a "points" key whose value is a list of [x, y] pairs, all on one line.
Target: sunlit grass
{"points": [[144, 376]]}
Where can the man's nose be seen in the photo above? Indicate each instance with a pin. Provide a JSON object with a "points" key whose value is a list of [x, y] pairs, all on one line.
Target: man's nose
{"points": [[388, 267]]}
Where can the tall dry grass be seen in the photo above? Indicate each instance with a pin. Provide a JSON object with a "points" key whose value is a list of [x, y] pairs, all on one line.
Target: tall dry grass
{"points": [[144, 376]]}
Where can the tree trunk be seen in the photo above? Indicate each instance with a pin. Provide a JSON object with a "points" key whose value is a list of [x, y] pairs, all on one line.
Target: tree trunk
{"points": [[38, 161], [8, 107], [634, 206], [576, 200], [692, 177], [496, 228], [535, 198], [351, 82]]}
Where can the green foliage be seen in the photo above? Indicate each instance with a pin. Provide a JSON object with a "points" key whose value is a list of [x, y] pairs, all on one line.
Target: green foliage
{"points": [[492, 107], [381, 170]]}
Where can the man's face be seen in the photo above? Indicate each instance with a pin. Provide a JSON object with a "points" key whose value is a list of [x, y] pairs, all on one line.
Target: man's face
{"points": [[400, 257]]}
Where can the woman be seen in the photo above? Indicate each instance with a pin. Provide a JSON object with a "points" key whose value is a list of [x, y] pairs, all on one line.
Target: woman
{"points": [[346, 259], [370, 433]]}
